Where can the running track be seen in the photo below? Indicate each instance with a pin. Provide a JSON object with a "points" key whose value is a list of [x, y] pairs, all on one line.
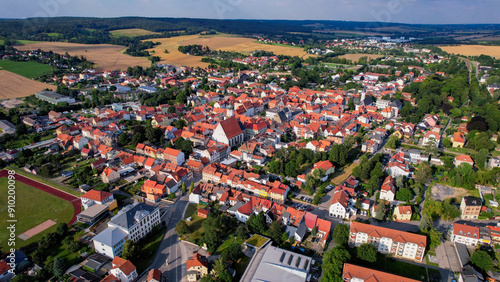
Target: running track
{"points": [[75, 201]]}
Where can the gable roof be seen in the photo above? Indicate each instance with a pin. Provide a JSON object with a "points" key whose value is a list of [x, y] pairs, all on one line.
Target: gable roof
{"points": [[96, 195], [231, 127], [367, 274], [197, 260], [373, 230], [124, 265]]}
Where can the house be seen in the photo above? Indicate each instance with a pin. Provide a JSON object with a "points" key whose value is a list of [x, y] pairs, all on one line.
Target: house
{"points": [[155, 275], [458, 140], [123, 270], [110, 175], [4, 269], [196, 267], [388, 189], [339, 207], [400, 244], [470, 207], [402, 213], [460, 159], [432, 139], [174, 156], [355, 273], [203, 213], [327, 166], [96, 197], [133, 222], [466, 234], [229, 132]]}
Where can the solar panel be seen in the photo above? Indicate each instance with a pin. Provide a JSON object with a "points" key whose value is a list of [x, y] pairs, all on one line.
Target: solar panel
{"points": [[306, 263], [282, 257], [290, 260], [298, 262]]}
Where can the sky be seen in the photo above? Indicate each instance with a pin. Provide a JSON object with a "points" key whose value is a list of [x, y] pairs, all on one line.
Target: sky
{"points": [[400, 11]]}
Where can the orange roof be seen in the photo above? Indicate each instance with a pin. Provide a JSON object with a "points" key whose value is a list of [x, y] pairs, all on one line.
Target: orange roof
{"points": [[124, 265], [404, 209], [4, 267], [458, 137], [231, 127], [341, 198], [195, 261], [149, 162], [464, 158], [171, 152], [466, 230], [110, 278], [377, 231], [367, 274], [96, 195]]}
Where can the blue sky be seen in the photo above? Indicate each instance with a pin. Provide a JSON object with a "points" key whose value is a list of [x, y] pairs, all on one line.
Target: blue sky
{"points": [[402, 11]]}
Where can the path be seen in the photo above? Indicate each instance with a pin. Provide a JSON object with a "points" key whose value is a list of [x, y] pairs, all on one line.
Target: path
{"points": [[75, 201]]}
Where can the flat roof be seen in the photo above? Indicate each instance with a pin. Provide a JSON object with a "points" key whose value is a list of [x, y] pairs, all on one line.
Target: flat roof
{"points": [[52, 94], [94, 210]]}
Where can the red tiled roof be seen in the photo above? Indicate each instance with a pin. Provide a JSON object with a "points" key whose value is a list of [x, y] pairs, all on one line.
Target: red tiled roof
{"points": [[231, 127], [373, 230], [195, 261], [464, 158], [367, 274], [124, 265], [96, 195]]}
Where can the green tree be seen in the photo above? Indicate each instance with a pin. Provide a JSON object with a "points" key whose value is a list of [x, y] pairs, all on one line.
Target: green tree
{"points": [[381, 211], [333, 262], [314, 231], [74, 246], [62, 228], [123, 139], [21, 129], [232, 252], [291, 169], [184, 188], [425, 223], [137, 138], [393, 142], [242, 231], [257, 223], [220, 271], [432, 208], [423, 174], [404, 194], [191, 188], [482, 260], [275, 232], [59, 267], [182, 228], [481, 157], [130, 250], [447, 143], [367, 252]]}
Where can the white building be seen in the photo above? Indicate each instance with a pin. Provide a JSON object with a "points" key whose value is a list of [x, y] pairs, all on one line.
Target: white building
{"points": [[123, 270], [96, 197], [133, 222], [229, 132], [389, 241], [340, 203], [388, 189], [465, 234]]}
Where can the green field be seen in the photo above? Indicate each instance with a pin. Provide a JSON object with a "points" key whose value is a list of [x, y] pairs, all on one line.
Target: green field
{"points": [[26, 69], [54, 34], [47, 182], [131, 32], [32, 207]]}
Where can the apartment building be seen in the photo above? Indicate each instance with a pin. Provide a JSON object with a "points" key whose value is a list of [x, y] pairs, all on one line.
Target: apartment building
{"points": [[470, 207], [400, 244]]}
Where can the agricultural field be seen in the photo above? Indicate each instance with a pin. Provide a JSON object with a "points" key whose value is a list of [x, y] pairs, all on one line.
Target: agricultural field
{"points": [[33, 207], [105, 56], [473, 50], [355, 57], [215, 42], [15, 86], [131, 32], [26, 69]]}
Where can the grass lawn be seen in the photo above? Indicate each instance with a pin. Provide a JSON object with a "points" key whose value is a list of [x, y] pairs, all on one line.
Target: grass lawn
{"points": [[33, 207], [256, 240], [147, 248], [228, 242], [192, 211], [68, 257], [50, 183], [26, 69], [54, 34], [343, 175]]}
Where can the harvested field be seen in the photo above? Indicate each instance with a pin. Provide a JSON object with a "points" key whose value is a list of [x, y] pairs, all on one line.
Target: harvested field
{"points": [[131, 32], [355, 57], [105, 56], [473, 50], [217, 42], [15, 86]]}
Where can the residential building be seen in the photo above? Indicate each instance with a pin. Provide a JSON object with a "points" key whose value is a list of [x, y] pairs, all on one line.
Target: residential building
{"points": [[466, 234], [470, 207], [402, 213], [388, 189], [110, 175], [339, 207], [96, 197], [174, 156], [356, 273], [155, 275], [196, 267], [400, 244], [458, 140], [123, 270], [431, 138], [461, 159], [133, 222]]}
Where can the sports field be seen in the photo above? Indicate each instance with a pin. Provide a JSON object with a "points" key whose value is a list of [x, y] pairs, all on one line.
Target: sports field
{"points": [[32, 208], [26, 69]]}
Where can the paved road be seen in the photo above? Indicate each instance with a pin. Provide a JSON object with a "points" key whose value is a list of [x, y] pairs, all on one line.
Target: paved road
{"points": [[169, 247], [40, 144]]}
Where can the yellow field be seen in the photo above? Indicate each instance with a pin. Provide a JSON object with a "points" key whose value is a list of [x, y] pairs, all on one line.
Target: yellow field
{"points": [[217, 42], [343, 175], [473, 50], [355, 57], [131, 32], [15, 86], [105, 56]]}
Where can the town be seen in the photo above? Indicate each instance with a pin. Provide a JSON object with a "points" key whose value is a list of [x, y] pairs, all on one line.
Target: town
{"points": [[384, 166]]}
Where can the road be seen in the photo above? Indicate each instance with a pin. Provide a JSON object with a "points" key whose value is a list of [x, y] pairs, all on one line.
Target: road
{"points": [[39, 144], [170, 248]]}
